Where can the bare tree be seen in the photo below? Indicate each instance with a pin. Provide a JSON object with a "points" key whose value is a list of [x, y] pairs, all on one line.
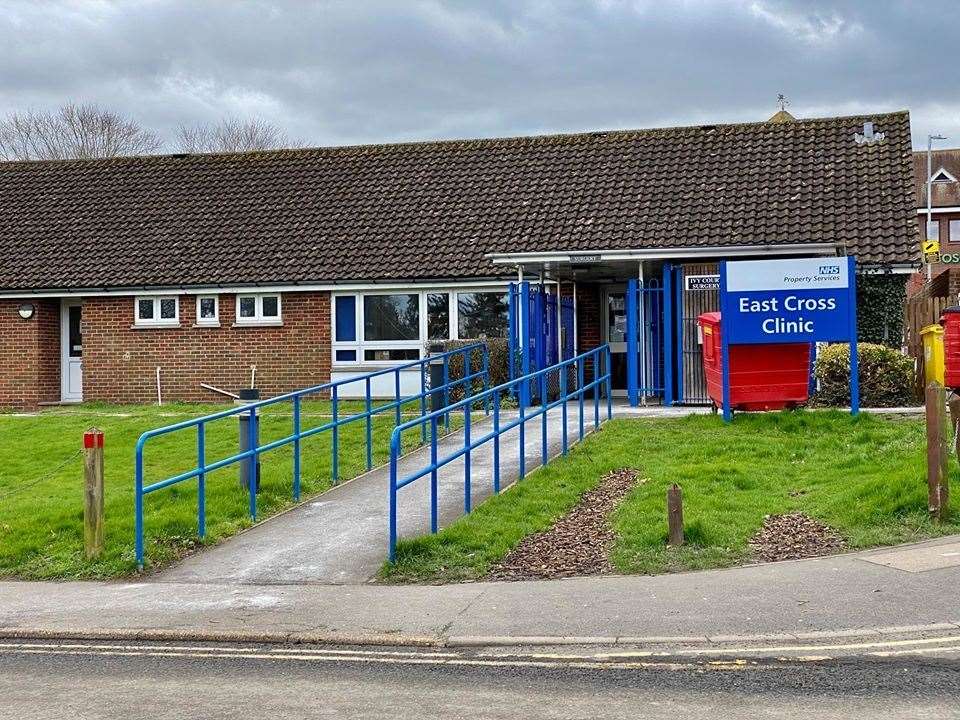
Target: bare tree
{"points": [[232, 135], [73, 131]]}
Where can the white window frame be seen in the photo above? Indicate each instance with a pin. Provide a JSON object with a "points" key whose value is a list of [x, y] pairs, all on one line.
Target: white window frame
{"points": [[361, 345], [215, 320], [156, 320], [942, 171], [258, 319]]}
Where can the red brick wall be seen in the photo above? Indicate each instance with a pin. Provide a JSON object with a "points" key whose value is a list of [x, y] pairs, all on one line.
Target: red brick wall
{"points": [[120, 361], [29, 354], [589, 317]]}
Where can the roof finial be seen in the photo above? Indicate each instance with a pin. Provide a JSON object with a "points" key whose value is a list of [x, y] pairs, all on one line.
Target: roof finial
{"points": [[782, 116]]}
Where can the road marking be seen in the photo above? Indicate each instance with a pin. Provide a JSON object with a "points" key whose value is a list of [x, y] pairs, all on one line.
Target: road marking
{"points": [[720, 650]]}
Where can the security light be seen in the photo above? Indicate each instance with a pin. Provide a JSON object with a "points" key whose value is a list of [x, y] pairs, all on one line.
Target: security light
{"points": [[26, 311]]}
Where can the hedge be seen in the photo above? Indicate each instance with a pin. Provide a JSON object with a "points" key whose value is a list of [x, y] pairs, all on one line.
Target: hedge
{"points": [[886, 376], [880, 305]]}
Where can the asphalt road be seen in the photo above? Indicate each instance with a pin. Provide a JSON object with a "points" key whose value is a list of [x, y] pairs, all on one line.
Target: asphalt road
{"points": [[109, 679]]}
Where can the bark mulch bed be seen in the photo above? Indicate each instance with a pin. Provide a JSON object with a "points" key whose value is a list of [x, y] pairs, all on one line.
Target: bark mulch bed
{"points": [[579, 543], [794, 536]]}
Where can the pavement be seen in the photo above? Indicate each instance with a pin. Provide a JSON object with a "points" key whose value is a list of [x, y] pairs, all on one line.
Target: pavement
{"points": [[341, 536], [904, 591]]}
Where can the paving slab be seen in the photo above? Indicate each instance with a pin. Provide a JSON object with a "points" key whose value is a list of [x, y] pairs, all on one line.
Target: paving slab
{"points": [[918, 558]]}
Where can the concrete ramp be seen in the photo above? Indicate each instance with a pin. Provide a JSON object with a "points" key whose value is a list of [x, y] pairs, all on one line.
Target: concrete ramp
{"points": [[341, 536]]}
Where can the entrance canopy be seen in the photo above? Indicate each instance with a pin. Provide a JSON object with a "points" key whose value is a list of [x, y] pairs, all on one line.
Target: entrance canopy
{"points": [[620, 265]]}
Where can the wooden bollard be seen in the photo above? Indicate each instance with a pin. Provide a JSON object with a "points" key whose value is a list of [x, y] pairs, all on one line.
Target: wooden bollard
{"points": [[938, 452], [675, 515], [93, 493]]}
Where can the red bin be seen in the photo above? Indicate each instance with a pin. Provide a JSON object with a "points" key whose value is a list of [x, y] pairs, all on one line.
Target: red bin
{"points": [[951, 346], [762, 377]]}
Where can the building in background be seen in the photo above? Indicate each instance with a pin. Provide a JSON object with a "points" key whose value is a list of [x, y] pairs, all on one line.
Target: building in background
{"points": [[131, 278]]}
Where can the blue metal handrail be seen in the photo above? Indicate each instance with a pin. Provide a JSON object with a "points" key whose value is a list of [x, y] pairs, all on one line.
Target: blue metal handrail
{"points": [[564, 395], [255, 449]]}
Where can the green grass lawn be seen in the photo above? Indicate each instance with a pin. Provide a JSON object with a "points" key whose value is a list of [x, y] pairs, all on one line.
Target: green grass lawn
{"points": [[41, 481], [864, 476]]}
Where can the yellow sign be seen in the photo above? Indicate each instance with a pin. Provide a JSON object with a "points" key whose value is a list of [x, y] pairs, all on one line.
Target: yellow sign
{"points": [[930, 247]]}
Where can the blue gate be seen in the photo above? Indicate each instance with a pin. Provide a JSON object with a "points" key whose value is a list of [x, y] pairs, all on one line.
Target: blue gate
{"points": [[541, 332], [650, 338]]}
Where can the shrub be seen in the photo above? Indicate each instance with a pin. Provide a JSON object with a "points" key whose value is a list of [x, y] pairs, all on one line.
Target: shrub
{"points": [[498, 350], [886, 376]]}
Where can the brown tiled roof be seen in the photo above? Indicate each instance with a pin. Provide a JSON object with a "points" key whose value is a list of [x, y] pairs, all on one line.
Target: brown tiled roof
{"points": [[435, 209], [945, 194]]}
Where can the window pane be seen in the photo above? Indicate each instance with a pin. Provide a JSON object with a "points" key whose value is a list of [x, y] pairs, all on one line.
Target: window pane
{"points": [[168, 308], [392, 354], [346, 307], [248, 307], [391, 317], [271, 306], [208, 308], [76, 339], [933, 230], [438, 316], [145, 309], [954, 231], [346, 355], [482, 315]]}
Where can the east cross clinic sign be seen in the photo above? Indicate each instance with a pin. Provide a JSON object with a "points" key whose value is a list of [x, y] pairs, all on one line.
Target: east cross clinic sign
{"points": [[789, 301]]}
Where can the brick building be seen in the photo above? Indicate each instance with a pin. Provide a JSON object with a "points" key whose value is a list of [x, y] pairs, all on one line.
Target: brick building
{"points": [[127, 278], [944, 222]]}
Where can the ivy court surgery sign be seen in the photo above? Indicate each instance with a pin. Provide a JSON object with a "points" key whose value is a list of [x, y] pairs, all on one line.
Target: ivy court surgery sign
{"points": [[789, 301]]}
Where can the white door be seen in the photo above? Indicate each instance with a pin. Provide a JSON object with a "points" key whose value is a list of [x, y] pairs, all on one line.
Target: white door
{"points": [[71, 352]]}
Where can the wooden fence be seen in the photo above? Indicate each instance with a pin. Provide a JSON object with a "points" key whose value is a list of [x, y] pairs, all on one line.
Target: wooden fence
{"points": [[918, 313]]}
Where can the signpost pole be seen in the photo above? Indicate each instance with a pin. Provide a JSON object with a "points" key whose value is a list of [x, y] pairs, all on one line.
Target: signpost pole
{"points": [[854, 354], [726, 319]]}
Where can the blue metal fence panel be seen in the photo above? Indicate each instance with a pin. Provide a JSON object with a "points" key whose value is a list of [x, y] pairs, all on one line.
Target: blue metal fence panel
{"points": [[598, 357], [256, 449]]}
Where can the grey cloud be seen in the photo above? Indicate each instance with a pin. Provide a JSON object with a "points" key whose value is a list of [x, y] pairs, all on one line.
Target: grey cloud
{"points": [[377, 71]]}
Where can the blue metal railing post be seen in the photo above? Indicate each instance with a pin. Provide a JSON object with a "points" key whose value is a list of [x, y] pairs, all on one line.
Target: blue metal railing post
{"points": [[296, 449], [396, 388], [496, 443], [524, 342], [423, 401], [252, 477], [596, 389], [394, 453], [446, 391], [633, 350], [609, 375], [434, 480], [523, 435], [667, 326], [335, 459], [563, 412], [486, 380], [201, 481], [467, 480], [543, 424], [580, 392], [368, 422], [138, 503]]}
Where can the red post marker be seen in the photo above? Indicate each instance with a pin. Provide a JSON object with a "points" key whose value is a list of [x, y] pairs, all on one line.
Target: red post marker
{"points": [[93, 438]]}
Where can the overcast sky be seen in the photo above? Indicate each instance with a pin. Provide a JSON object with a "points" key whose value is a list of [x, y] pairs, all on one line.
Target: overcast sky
{"points": [[362, 71]]}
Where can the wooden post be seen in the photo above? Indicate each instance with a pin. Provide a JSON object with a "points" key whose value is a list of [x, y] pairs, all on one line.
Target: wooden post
{"points": [[675, 515], [93, 493], [938, 452]]}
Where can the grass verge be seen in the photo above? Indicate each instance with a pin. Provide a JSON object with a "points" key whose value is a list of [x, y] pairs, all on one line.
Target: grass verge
{"points": [[41, 481], [865, 476]]}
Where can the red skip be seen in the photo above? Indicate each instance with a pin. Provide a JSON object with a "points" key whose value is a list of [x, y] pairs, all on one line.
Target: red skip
{"points": [[93, 438]]}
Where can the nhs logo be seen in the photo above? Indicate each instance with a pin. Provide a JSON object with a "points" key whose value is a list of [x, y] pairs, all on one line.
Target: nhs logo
{"points": [[829, 270]]}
